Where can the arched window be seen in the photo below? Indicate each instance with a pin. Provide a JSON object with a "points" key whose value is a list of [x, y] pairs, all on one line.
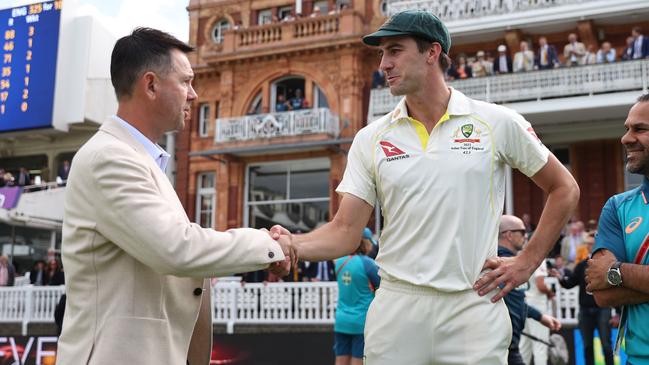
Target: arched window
{"points": [[219, 27]]}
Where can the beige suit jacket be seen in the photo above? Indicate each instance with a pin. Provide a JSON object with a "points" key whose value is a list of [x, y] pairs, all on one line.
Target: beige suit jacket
{"points": [[134, 263]]}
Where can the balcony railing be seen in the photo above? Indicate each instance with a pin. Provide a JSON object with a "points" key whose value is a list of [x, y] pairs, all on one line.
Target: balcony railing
{"points": [[537, 85], [254, 303], [318, 31], [29, 304], [281, 124], [449, 10]]}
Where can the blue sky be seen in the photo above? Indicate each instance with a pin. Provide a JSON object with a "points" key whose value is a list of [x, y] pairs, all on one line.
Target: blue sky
{"points": [[121, 16]]}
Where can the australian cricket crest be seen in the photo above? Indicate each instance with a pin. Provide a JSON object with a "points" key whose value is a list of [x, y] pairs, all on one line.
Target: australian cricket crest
{"points": [[467, 130], [466, 139]]}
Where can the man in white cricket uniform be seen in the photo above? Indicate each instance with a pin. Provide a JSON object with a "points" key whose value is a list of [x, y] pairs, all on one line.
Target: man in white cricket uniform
{"points": [[436, 165], [537, 296]]}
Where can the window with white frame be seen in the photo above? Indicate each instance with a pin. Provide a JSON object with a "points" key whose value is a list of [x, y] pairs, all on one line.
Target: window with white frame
{"points": [[265, 16], [203, 119], [294, 194], [205, 199], [284, 11], [322, 5], [217, 32]]}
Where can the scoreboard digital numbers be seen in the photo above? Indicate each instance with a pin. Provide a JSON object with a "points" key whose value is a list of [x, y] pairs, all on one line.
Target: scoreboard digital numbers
{"points": [[30, 38]]}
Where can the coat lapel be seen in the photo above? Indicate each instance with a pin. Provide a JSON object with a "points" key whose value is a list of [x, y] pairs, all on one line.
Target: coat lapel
{"points": [[113, 127]]}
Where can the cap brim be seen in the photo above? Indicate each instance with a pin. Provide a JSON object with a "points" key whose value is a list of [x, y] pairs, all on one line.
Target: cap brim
{"points": [[374, 39]]}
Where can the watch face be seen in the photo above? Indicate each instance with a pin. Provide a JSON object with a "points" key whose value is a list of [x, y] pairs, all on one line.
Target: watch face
{"points": [[613, 277]]}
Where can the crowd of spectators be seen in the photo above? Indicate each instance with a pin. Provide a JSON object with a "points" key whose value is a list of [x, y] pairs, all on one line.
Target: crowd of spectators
{"points": [[544, 57], [41, 274], [22, 177]]}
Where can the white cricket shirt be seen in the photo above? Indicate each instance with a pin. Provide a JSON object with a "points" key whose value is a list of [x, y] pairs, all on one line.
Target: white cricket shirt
{"points": [[441, 194]]}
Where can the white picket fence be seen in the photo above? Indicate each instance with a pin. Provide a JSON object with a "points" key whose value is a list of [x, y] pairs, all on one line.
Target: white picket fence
{"points": [[233, 303]]}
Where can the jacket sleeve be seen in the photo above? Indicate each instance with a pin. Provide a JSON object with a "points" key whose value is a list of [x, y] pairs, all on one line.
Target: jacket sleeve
{"points": [[155, 230]]}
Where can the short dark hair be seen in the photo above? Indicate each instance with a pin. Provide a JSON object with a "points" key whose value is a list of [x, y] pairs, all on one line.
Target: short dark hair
{"points": [[643, 98], [637, 29], [425, 44], [143, 50]]}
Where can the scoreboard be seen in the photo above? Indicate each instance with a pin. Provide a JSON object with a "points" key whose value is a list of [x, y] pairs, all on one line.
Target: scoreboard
{"points": [[29, 36]]}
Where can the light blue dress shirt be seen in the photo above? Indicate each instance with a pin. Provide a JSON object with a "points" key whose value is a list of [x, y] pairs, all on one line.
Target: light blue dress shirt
{"points": [[159, 155]]}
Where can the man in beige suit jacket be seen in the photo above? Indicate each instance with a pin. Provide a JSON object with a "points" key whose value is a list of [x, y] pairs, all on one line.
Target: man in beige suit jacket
{"points": [[135, 264]]}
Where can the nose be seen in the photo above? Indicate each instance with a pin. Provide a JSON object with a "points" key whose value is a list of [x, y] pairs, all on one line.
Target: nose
{"points": [[191, 95], [385, 64], [627, 138]]}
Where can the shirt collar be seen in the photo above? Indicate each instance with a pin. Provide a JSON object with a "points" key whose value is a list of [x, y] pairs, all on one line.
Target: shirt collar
{"points": [[159, 155], [457, 105], [644, 190]]}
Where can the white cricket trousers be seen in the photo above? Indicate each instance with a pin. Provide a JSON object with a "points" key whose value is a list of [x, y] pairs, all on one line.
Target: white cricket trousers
{"points": [[414, 325]]}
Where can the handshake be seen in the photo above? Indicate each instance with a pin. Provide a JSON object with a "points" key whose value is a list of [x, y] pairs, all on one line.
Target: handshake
{"points": [[285, 239]]}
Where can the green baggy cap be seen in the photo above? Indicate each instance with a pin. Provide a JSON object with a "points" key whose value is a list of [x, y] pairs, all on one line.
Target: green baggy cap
{"points": [[418, 23]]}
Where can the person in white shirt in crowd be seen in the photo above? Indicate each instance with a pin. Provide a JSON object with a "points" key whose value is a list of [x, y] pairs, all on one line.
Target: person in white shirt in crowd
{"points": [[482, 67], [640, 44], [523, 59], [590, 58], [538, 296], [503, 62], [606, 53], [574, 51], [571, 242]]}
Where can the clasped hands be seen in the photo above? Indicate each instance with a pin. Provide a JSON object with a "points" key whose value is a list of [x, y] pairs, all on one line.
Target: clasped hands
{"points": [[285, 239]]}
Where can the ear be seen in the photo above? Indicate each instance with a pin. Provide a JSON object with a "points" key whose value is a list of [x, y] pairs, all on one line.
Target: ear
{"points": [[149, 84], [433, 53]]}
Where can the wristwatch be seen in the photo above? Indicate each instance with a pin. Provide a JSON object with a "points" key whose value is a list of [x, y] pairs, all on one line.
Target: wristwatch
{"points": [[614, 275]]}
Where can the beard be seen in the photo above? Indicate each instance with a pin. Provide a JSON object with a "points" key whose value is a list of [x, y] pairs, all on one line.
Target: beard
{"points": [[639, 164]]}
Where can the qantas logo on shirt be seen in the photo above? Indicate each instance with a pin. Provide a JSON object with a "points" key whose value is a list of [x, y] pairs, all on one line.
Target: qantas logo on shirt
{"points": [[392, 152]]}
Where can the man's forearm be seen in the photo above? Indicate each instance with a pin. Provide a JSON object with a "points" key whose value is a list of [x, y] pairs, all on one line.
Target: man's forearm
{"points": [[558, 209], [635, 277], [615, 297], [327, 242], [340, 237]]}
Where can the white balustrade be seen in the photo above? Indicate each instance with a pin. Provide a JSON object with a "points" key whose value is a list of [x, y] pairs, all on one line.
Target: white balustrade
{"points": [[280, 124], [537, 85], [29, 304], [236, 303], [565, 305], [465, 9]]}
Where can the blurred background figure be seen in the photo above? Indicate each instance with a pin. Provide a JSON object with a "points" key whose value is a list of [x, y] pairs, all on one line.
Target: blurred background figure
{"points": [[7, 272], [357, 280], [546, 58], [54, 274], [378, 79], [570, 242], [523, 59], [574, 51], [37, 275], [481, 67], [461, 70], [503, 62], [606, 53], [591, 316], [538, 296]]}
